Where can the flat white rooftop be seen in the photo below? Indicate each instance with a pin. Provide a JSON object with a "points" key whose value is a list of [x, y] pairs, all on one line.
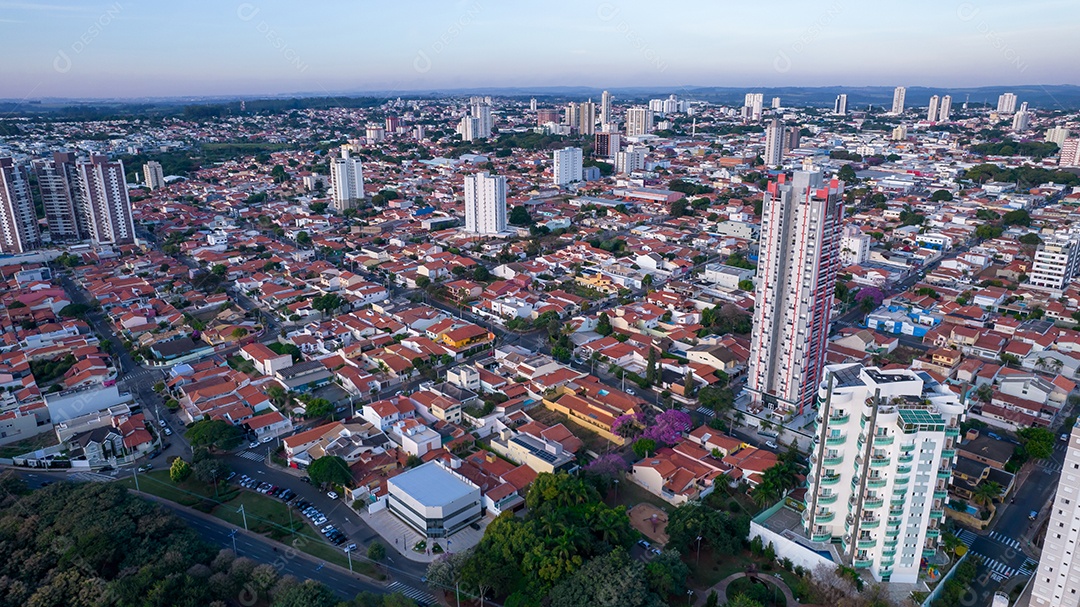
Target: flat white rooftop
{"points": [[432, 485]]}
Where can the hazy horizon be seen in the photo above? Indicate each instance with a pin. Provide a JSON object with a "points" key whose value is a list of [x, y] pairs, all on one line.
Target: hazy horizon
{"points": [[138, 49]]}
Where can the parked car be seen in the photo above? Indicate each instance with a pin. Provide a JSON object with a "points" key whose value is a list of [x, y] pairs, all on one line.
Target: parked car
{"points": [[254, 445], [266, 439], [1034, 514], [331, 495], [162, 423], [771, 444], [168, 432], [146, 468], [350, 547]]}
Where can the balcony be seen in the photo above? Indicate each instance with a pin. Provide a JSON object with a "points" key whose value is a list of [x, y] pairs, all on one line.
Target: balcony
{"points": [[888, 552], [867, 543], [889, 543], [879, 462], [898, 501], [933, 533], [835, 460], [872, 504], [876, 483], [948, 453], [835, 441], [903, 469], [945, 474], [828, 481], [823, 538], [862, 563], [929, 553], [901, 481], [870, 523], [906, 458], [940, 495], [892, 532], [937, 513], [952, 431], [839, 419], [825, 500], [881, 440], [824, 517]]}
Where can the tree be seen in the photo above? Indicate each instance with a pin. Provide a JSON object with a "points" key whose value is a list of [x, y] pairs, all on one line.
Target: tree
{"points": [[376, 551], [239, 333], [611, 580], [719, 400], [666, 574], [689, 385], [318, 407], [327, 303], [651, 372], [210, 470], [721, 531], [329, 469], [647, 281], [303, 238], [847, 174], [519, 216], [603, 324], [679, 208], [986, 493], [1031, 239], [308, 593], [667, 427], [215, 434], [643, 447], [423, 282], [941, 196], [746, 285], [318, 208], [481, 273], [988, 231], [179, 471], [279, 174], [1038, 442]]}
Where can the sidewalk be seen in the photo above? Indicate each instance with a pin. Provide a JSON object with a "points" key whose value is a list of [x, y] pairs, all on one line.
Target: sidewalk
{"points": [[403, 538]]}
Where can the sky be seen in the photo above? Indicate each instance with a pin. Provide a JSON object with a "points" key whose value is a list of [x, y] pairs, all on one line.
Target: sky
{"points": [[182, 48]]}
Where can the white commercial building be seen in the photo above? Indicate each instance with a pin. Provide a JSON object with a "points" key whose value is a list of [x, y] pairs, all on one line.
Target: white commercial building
{"points": [[434, 500], [346, 180], [1055, 264], [840, 105], [774, 143], [631, 159], [485, 203], [899, 93], [1006, 103], [567, 166], [799, 259], [153, 174], [639, 121], [879, 474], [18, 220], [1057, 580], [854, 246], [752, 106]]}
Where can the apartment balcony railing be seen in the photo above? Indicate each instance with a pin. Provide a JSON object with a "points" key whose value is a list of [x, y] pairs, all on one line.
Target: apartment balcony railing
{"points": [[881, 440]]}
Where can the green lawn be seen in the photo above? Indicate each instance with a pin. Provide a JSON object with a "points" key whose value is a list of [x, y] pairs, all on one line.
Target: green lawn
{"points": [[632, 494], [264, 514], [32, 443], [191, 493]]}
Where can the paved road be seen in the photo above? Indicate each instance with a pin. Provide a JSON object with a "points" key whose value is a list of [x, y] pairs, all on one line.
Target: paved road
{"points": [[1003, 547]]}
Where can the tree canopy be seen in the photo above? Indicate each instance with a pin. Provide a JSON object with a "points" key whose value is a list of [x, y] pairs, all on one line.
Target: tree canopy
{"points": [[329, 469], [214, 433]]}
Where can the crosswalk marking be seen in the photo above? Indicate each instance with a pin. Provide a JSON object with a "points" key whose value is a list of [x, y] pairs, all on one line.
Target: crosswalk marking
{"points": [[93, 477], [996, 567], [1028, 567], [707, 412], [1008, 541], [1051, 466], [967, 537], [253, 456], [413, 593]]}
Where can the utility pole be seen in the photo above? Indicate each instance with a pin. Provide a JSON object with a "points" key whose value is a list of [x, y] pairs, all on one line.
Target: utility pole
{"points": [[243, 514], [348, 553], [233, 536], [137, 479]]}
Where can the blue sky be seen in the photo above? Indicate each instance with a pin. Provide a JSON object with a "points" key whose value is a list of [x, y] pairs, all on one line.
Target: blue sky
{"points": [[136, 48]]}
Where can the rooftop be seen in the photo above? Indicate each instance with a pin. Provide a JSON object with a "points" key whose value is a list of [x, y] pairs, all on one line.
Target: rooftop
{"points": [[432, 485]]}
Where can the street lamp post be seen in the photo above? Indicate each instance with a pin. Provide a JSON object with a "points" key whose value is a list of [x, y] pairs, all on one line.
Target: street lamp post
{"points": [[233, 536], [698, 560], [689, 596]]}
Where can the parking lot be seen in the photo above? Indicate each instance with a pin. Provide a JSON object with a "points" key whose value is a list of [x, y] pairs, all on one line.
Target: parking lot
{"points": [[313, 514]]}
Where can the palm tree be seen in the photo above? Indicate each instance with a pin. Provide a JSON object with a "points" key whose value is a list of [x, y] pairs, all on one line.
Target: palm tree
{"points": [[986, 493]]}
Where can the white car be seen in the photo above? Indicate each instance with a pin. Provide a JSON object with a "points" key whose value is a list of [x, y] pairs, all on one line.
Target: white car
{"points": [[168, 432], [266, 439], [254, 445], [771, 444], [630, 391], [331, 495], [161, 423]]}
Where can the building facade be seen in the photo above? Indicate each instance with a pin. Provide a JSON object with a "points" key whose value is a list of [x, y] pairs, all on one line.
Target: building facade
{"points": [[840, 105], [879, 475], [899, 93], [567, 166], [1057, 580], [774, 143], [347, 180], [485, 203], [18, 220], [1006, 103], [799, 259], [639, 121], [153, 175], [1056, 262], [434, 500], [104, 204], [58, 183]]}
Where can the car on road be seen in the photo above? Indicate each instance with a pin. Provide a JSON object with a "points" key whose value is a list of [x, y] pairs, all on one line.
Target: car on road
{"points": [[1034, 514], [146, 468], [350, 547], [331, 495], [630, 391], [266, 439], [162, 423], [644, 544], [168, 432], [771, 444], [655, 551], [254, 445]]}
